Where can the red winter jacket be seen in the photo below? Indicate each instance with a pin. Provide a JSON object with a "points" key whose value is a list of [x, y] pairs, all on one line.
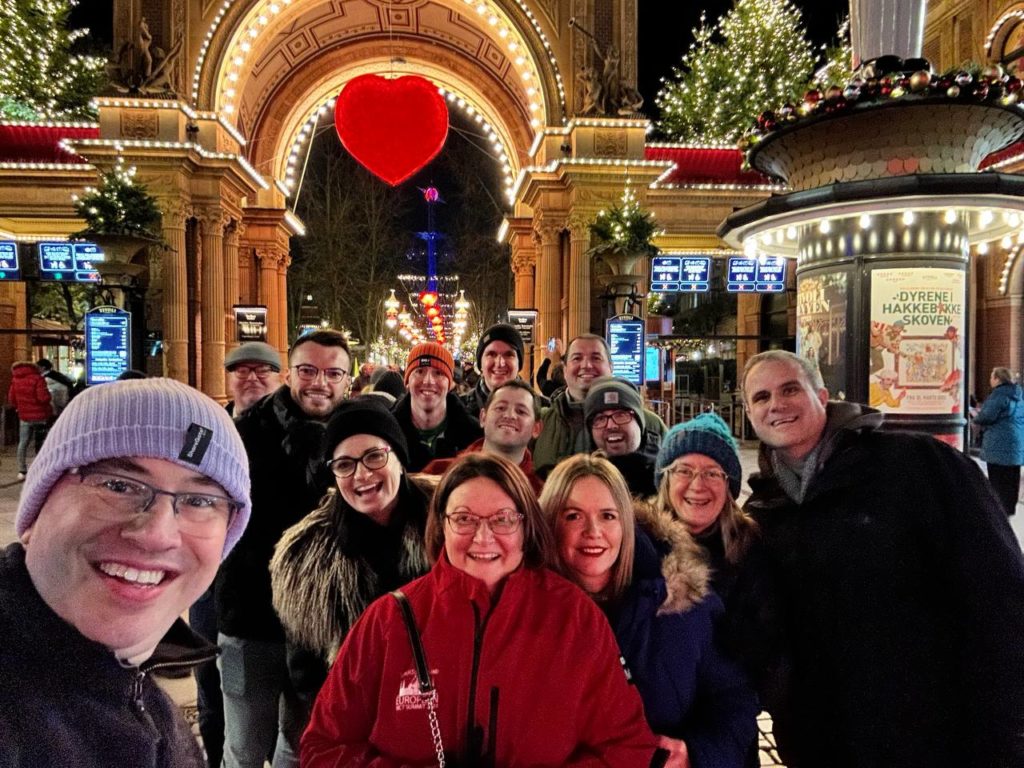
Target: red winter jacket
{"points": [[28, 393], [535, 677]]}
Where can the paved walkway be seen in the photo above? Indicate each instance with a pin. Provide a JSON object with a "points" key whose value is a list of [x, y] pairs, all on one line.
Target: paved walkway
{"points": [[183, 691]]}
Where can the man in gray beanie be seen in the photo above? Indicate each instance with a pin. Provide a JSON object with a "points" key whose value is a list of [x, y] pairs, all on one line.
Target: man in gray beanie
{"points": [[123, 520], [254, 371], [614, 414]]}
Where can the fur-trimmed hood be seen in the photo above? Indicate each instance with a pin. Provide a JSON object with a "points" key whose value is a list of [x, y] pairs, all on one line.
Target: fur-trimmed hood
{"points": [[665, 550], [321, 583]]}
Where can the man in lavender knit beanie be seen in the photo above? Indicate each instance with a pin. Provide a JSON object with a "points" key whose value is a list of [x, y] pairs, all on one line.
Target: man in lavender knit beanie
{"points": [[139, 491]]}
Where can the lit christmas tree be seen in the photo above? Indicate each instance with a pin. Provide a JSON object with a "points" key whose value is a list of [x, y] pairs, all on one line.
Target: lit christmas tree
{"points": [[119, 206], [625, 228], [40, 77], [756, 57]]}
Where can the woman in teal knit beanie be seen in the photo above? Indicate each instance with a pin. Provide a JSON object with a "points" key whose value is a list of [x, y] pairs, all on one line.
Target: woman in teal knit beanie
{"points": [[698, 477]]}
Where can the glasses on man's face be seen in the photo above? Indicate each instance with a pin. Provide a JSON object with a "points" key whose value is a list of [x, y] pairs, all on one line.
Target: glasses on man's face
{"points": [[345, 466], [261, 372], [310, 372], [689, 474], [123, 499], [616, 417], [501, 524]]}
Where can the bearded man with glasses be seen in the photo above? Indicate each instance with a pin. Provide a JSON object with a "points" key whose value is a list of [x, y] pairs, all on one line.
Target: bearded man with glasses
{"points": [[613, 412], [284, 437], [123, 519]]}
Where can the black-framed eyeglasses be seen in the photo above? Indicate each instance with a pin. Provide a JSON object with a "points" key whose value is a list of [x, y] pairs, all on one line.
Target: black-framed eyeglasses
{"points": [[689, 474], [310, 372], [123, 499], [261, 372], [345, 466], [616, 417], [501, 524]]}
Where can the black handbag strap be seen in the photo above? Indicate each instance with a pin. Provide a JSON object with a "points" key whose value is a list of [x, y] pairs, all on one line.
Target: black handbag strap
{"points": [[419, 657]]}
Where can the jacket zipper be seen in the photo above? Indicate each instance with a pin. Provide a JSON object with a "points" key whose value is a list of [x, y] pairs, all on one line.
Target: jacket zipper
{"points": [[478, 639], [137, 699]]}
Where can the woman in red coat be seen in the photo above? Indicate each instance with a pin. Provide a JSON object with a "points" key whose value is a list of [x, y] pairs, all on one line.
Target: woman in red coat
{"points": [[30, 398], [525, 668]]}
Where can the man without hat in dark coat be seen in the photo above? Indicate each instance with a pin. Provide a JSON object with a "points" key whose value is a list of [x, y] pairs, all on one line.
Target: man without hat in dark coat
{"points": [[881, 612]]}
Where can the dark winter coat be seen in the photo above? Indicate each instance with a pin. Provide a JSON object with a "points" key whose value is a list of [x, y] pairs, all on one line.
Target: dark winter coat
{"points": [[1002, 416], [461, 430], [884, 613], [638, 471], [333, 563], [476, 398], [289, 477], [67, 701], [665, 626], [28, 394]]}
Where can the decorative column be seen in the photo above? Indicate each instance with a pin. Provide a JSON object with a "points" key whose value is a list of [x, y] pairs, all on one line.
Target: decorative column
{"points": [[212, 220], [523, 264], [232, 284], [268, 259], [548, 283], [175, 292], [579, 278], [280, 310]]}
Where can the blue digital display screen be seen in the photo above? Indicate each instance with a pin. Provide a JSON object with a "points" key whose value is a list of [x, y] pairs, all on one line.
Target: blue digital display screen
{"points": [[108, 332], [69, 262], [626, 340], [670, 274], [10, 269], [766, 274]]}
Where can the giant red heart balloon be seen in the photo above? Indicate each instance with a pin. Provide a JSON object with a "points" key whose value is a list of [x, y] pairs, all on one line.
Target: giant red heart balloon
{"points": [[392, 127]]}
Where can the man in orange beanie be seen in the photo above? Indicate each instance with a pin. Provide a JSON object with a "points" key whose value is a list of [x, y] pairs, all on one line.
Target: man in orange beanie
{"points": [[435, 423]]}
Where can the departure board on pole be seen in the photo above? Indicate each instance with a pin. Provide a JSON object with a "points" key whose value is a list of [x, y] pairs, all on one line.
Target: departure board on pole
{"points": [[108, 334]]}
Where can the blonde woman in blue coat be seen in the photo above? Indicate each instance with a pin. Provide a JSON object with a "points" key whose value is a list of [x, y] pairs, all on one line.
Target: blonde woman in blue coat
{"points": [[649, 577]]}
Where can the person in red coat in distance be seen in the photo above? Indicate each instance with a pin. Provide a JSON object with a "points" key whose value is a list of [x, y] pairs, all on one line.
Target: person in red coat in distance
{"points": [[526, 668]]}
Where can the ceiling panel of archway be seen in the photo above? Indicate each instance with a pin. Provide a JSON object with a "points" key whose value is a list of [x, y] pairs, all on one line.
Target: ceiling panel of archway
{"points": [[301, 38]]}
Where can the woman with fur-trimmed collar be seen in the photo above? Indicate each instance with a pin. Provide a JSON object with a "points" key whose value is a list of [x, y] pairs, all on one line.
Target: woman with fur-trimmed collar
{"points": [[650, 578], [364, 540]]}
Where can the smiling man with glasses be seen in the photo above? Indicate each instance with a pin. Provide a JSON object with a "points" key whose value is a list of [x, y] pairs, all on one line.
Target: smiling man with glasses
{"points": [[614, 414], [140, 491], [284, 436]]}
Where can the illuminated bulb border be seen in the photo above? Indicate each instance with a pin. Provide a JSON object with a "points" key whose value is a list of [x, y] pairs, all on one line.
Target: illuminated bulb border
{"points": [[121, 144], [1016, 13], [258, 19], [187, 110], [306, 131]]}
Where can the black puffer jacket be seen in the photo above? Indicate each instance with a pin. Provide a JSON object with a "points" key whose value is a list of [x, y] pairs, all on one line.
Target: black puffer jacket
{"points": [[289, 477], [882, 617], [67, 701]]}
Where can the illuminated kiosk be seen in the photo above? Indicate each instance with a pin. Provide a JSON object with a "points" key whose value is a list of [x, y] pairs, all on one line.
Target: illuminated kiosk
{"points": [[886, 203]]}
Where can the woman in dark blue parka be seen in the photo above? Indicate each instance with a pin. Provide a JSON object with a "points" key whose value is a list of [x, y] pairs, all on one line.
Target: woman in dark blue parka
{"points": [[1002, 442], [650, 578]]}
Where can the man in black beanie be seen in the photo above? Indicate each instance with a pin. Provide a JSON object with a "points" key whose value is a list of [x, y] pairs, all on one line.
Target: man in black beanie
{"points": [[499, 356]]}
